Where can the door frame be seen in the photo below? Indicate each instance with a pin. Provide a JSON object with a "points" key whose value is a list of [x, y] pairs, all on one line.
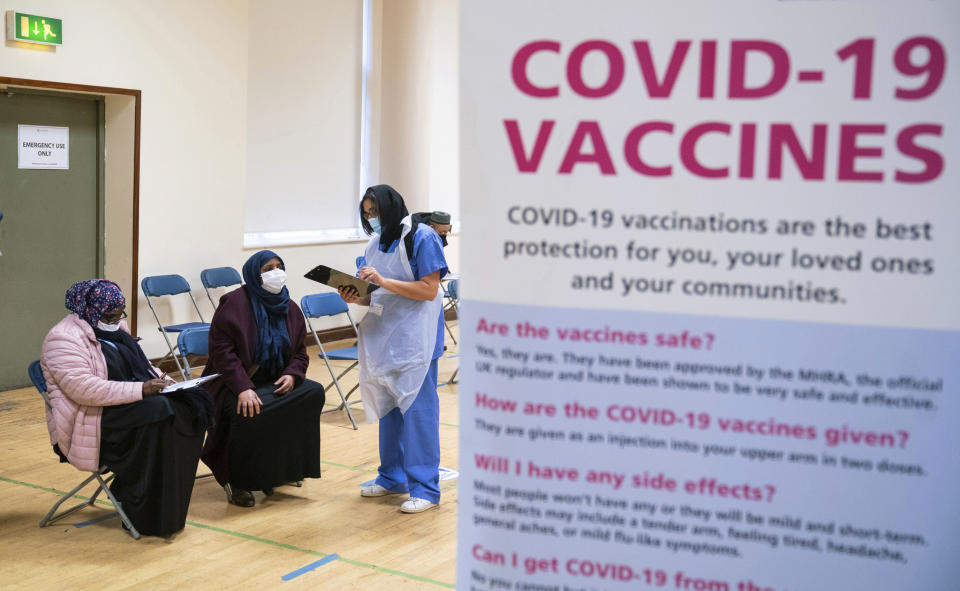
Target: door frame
{"points": [[107, 90]]}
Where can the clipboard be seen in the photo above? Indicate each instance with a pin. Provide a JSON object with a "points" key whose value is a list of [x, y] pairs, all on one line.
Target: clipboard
{"points": [[335, 279], [189, 383]]}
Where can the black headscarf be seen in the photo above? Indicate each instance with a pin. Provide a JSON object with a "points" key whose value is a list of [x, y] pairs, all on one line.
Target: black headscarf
{"points": [[131, 365], [270, 312], [392, 211], [126, 362]]}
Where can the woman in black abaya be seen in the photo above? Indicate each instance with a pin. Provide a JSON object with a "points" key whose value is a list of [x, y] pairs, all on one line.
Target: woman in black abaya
{"points": [[153, 444]]}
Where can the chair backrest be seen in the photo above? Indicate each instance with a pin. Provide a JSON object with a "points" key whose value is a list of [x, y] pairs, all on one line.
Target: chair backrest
{"points": [[39, 382], [161, 285], [453, 289], [194, 341], [167, 285], [360, 260], [318, 305], [220, 277]]}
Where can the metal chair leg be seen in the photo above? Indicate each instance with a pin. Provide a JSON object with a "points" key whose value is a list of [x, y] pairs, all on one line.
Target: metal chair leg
{"points": [[450, 331], [52, 514], [187, 368], [173, 353], [117, 505], [343, 399], [345, 402], [50, 517]]}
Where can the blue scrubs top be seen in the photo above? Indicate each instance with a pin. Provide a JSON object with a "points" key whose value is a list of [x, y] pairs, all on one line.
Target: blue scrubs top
{"points": [[427, 258]]}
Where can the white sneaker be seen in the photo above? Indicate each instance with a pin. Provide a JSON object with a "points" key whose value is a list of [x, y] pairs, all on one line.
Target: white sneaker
{"points": [[375, 490], [416, 505]]}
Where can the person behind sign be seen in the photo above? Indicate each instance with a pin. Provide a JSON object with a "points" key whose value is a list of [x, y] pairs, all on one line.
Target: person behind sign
{"points": [[268, 413], [106, 409], [438, 220], [401, 338]]}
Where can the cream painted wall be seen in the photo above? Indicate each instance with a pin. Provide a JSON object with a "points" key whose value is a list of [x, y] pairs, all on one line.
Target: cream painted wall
{"points": [[119, 124], [190, 61], [303, 118], [196, 65], [445, 112], [419, 141], [304, 121]]}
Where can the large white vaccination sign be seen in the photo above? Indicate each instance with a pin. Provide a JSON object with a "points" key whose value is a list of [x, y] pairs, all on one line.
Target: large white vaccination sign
{"points": [[710, 336]]}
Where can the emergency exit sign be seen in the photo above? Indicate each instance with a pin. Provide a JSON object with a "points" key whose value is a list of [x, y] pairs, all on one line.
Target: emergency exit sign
{"points": [[32, 28]]}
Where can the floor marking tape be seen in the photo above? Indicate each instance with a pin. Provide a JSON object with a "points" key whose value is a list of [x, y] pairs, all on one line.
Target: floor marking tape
{"points": [[309, 567], [97, 520], [260, 540]]}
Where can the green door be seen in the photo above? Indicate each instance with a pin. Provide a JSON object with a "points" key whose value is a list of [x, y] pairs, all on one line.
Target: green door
{"points": [[50, 234]]}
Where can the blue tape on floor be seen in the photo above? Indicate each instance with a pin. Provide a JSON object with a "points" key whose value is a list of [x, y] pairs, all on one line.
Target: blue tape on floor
{"points": [[97, 520], [310, 567]]}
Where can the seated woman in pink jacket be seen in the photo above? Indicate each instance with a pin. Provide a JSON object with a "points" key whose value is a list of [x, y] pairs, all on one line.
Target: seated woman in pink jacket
{"points": [[107, 410]]}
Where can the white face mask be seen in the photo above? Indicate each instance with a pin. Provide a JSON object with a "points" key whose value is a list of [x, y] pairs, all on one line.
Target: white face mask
{"points": [[108, 327], [273, 280]]}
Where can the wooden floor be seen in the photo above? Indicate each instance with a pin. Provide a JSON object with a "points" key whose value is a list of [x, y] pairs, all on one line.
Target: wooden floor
{"points": [[368, 543]]}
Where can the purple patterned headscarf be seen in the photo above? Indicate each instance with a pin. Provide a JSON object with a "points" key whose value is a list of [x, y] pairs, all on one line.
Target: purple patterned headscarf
{"points": [[91, 298]]}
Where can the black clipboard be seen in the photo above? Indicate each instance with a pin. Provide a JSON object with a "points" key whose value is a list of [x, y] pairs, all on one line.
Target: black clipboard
{"points": [[335, 279]]}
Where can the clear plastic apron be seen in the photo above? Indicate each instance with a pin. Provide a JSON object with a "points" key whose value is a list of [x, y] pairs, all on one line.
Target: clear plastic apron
{"points": [[397, 336]]}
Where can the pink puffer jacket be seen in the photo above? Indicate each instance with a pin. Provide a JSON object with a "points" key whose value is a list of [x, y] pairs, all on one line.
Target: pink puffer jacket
{"points": [[77, 384]]}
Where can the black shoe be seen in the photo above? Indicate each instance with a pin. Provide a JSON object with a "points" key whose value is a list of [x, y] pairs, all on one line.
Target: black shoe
{"points": [[268, 491], [242, 498]]}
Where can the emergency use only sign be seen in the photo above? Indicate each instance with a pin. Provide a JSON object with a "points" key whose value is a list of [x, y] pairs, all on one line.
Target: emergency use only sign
{"points": [[42, 146]]}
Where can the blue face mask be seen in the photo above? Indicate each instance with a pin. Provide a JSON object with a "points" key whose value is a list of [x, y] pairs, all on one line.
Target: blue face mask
{"points": [[375, 224]]}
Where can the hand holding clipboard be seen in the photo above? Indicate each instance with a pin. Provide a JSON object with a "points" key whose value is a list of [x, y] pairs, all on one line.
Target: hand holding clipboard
{"points": [[337, 279]]}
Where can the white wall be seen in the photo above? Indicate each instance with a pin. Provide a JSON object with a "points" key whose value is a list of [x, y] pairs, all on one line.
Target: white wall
{"points": [[119, 127], [304, 121], [207, 78], [303, 118], [190, 61], [419, 140]]}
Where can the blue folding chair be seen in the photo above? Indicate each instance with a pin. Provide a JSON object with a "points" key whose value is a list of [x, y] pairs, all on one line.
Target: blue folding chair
{"points": [[218, 277], [192, 341], [451, 293], [321, 305], [40, 383], [170, 285]]}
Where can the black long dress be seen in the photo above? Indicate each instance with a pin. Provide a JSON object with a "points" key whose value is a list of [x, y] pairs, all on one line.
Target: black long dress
{"points": [[282, 443], [153, 445]]}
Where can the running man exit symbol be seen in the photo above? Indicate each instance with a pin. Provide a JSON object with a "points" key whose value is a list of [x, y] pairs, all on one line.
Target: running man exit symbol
{"points": [[32, 28]]}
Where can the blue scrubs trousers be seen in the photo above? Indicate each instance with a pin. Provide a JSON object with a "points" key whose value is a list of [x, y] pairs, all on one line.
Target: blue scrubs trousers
{"points": [[410, 444]]}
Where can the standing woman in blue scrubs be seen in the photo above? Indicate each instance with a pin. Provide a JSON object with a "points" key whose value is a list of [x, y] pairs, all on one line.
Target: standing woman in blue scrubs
{"points": [[401, 338]]}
